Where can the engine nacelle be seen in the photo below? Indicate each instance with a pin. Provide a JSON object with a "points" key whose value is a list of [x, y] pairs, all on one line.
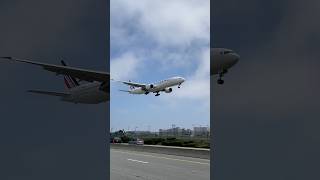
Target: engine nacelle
{"points": [[149, 86], [168, 90], [105, 87]]}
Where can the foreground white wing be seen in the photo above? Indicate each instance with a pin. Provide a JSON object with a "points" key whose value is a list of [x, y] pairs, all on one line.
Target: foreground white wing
{"points": [[83, 74]]}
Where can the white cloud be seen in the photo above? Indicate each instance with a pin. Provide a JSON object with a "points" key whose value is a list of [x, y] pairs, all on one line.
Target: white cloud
{"points": [[169, 23], [124, 67], [175, 34], [197, 85]]}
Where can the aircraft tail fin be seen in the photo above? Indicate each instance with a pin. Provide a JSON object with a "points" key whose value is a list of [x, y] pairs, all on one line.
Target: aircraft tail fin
{"points": [[69, 81]]}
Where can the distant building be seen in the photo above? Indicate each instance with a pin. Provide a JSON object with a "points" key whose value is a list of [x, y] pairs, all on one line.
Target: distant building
{"points": [[201, 131], [170, 132], [186, 132], [176, 131]]}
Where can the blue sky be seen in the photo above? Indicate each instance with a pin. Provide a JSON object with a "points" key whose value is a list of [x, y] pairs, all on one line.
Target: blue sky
{"points": [[151, 41]]}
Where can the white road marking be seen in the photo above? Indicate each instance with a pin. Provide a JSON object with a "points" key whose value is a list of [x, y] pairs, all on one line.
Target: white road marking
{"points": [[173, 159], [138, 161]]}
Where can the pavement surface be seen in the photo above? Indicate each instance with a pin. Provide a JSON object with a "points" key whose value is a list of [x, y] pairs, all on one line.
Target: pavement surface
{"points": [[133, 165]]}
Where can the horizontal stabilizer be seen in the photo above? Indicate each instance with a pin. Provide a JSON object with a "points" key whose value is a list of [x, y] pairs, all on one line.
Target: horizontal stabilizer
{"points": [[124, 90], [49, 93]]}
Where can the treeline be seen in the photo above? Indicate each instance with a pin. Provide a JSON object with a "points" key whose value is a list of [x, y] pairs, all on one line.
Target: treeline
{"points": [[122, 137], [172, 141]]}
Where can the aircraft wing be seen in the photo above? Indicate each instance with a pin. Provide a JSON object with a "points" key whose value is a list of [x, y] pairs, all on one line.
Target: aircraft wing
{"points": [[83, 74], [49, 93], [134, 84]]}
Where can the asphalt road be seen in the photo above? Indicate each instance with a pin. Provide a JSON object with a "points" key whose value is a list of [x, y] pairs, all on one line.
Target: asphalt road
{"points": [[132, 165]]}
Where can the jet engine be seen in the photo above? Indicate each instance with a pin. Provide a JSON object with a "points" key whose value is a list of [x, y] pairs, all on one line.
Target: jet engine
{"points": [[104, 87], [150, 86], [168, 90]]}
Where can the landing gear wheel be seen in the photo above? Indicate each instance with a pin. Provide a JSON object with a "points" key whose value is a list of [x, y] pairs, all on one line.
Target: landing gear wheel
{"points": [[157, 94], [220, 81], [146, 93], [221, 74]]}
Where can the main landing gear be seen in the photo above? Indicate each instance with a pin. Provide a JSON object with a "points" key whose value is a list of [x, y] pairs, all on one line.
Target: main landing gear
{"points": [[146, 93], [221, 74], [220, 81], [179, 85], [157, 94]]}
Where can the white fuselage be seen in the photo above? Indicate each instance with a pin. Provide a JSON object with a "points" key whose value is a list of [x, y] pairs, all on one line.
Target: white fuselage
{"points": [[222, 59], [89, 93], [160, 86]]}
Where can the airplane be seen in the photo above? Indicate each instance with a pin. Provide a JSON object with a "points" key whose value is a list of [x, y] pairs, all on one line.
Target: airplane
{"points": [[221, 60], [83, 86], [163, 85]]}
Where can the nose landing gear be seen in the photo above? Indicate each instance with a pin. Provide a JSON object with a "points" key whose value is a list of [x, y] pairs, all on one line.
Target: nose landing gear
{"points": [[221, 74]]}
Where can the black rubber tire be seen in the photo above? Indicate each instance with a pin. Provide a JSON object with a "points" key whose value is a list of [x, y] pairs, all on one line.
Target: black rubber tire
{"points": [[220, 81]]}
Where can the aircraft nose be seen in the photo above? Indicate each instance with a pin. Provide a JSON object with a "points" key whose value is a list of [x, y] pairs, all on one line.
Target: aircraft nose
{"points": [[236, 58]]}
